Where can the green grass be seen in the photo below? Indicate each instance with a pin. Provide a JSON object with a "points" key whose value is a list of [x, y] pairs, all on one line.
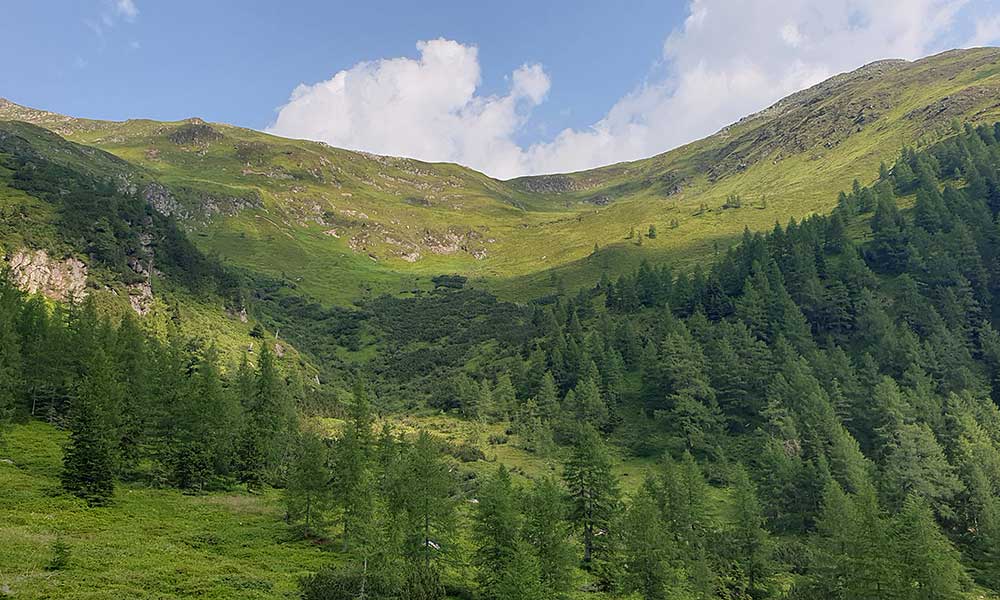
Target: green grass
{"points": [[150, 543], [160, 543]]}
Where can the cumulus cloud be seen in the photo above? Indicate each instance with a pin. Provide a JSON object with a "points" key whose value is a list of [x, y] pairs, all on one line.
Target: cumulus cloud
{"points": [[426, 108], [728, 59]]}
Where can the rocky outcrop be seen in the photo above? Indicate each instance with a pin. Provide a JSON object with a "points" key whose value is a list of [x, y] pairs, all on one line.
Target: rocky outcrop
{"points": [[194, 132], [204, 206], [35, 272], [163, 201]]}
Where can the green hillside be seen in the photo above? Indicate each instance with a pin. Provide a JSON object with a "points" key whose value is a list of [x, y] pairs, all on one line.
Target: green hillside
{"points": [[235, 365], [344, 225], [813, 416]]}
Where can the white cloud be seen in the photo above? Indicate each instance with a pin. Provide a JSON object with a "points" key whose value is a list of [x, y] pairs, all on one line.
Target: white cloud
{"points": [[113, 11], [987, 32], [426, 108], [126, 8], [727, 60], [791, 34]]}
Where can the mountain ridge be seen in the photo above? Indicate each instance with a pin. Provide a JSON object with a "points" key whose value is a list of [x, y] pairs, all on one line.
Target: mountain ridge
{"points": [[354, 224]]}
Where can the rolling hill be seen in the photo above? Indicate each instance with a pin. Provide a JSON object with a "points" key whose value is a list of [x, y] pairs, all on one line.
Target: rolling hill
{"points": [[345, 225]]}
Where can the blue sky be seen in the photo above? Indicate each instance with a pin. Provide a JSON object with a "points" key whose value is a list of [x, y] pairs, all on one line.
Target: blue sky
{"points": [[509, 88], [237, 61]]}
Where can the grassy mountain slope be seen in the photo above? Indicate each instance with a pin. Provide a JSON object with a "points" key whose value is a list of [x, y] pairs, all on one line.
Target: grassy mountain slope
{"points": [[342, 225], [65, 204]]}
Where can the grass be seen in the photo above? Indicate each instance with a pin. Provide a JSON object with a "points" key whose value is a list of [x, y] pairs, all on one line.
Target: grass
{"points": [[161, 543], [150, 543]]}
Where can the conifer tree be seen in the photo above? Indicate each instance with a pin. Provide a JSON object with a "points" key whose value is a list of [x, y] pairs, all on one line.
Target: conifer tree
{"points": [[930, 567], [547, 531], [749, 541], [497, 531], [647, 553], [593, 491], [11, 383], [307, 493], [352, 462], [89, 459], [424, 493]]}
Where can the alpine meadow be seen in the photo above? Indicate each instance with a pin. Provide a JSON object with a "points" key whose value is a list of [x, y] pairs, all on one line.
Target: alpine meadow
{"points": [[761, 365]]}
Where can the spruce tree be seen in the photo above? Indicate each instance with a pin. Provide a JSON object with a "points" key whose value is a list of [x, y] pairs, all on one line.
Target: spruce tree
{"points": [[497, 532], [352, 463], [593, 491], [547, 530], [749, 542], [307, 492], [11, 383], [424, 493], [647, 550], [89, 459], [930, 567]]}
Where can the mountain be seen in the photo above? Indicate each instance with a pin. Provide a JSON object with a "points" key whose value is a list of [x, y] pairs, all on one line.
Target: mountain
{"points": [[812, 413], [346, 225], [814, 416]]}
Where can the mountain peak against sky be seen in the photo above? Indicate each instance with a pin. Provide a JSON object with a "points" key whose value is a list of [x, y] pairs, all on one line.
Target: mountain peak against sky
{"points": [[357, 222], [725, 60], [524, 89]]}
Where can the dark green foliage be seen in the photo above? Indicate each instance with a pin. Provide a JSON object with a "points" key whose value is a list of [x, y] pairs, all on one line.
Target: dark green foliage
{"points": [[547, 531], [89, 462], [509, 567], [749, 543], [307, 492], [593, 493], [10, 351], [647, 552], [60, 555]]}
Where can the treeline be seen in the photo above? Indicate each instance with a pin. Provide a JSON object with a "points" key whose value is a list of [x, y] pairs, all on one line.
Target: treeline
{"points": [[141, 407]]}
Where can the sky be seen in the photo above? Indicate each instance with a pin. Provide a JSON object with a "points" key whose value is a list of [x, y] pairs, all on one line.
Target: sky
{"points": [[512, 88]]}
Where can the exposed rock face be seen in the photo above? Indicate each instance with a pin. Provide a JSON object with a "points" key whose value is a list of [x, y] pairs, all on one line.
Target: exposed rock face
{"points": [[195, 131], [34, 271], [547, 184], [207, 206], [163, 201]]}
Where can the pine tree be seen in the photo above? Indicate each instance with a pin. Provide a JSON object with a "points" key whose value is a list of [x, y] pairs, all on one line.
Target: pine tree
{"points": [[89, 459], [647, 552], [497, 531], [930, 567], [424, 492], [504, 397], [749, 541], [520, 578], [352, 462], [134, 360], [307, 493], [593, 491], [587, 405], [11, 383], [548, 395], [268, 424], [547, 530]]}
